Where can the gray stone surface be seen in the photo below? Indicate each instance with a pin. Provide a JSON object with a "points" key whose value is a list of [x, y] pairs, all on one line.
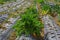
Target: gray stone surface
{"points": [[3, 17], [51, 29]]}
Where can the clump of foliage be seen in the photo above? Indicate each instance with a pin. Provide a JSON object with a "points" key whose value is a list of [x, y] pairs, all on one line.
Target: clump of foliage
{"points": [[3, 1], [45, 7], [29, 23], [52, 9], [39, 1], [57, 8]]}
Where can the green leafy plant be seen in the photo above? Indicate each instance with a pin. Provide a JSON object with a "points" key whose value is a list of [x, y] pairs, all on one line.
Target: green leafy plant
{"points": [[29, 23], [54, 10], [2, 1], [40, 1], [45, 7]]}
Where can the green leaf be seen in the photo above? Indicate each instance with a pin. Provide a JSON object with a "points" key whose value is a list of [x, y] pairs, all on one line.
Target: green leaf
{"points": [[39, 1]]}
